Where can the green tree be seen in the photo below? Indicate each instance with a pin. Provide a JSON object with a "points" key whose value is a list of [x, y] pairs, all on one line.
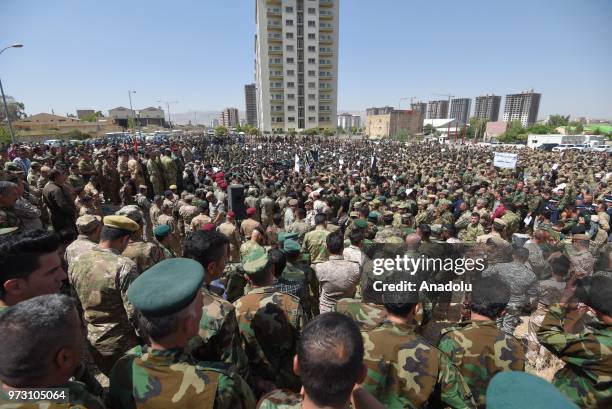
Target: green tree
{"points": [[429, 129], [16, 111], [90, 118], [558, 120], [402, 136], [354, 129], [329, 132], [78, 135], [311, 131], [221, 130], [542, 129], [292, 132], [516, 133], [5, 135], [340, 130], [596, 131]]}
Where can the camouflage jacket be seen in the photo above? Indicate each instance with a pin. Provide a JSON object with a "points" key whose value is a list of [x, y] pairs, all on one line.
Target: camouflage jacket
{"points": [[280, 399], [78, 398], [315, 245], [101, 279], [480, 350], [162, 379], [78, 247], [587, 375], [367, 316], [270, 323], [8, 218], [144, 254], [219, 339], [404, 371]]}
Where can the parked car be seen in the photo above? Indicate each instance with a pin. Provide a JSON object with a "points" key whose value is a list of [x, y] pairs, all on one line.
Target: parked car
{"points": [[548, 147]]}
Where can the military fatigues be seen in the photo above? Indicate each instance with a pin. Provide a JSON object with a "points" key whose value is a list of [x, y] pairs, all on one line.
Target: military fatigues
{"points": [[280, 399], [81, 245], [218, 338], [404, 371], [338, 278], [169, 170], [480, 350], [367, 316], [151, 378], [144, 254], [522, 283], [78, 398], [156, 176], [270, 323], [101, 279], [587, 375], [315, 245]]}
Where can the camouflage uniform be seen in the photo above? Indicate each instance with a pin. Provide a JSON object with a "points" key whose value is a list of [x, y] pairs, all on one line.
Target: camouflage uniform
{"points": [[270, 323], [404, 371], [8, 218], [389, 234], [247, 247], [101, 279], [151, 378], [144, 254], [480, 350], [587, 375], [522, 283], [169, 170], [156, 176], [470, 233], [367, 316], [280, 399], [512, 223], [78, 398], [231, 232], [81, 245], [300, 227], [218, 338], [338, 278], [316, 246]]}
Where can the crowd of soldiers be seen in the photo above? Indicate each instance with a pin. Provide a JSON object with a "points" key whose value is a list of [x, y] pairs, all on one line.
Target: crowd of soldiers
{"points": [[131, 275]]}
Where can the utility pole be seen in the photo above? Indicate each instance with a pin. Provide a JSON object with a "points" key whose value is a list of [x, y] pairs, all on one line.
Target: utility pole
{"points": [[168, 108], [132, 111], [6, 110]]}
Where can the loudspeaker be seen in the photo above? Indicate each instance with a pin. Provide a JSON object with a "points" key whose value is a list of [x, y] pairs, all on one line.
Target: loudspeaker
{"points": [[235, 199]]}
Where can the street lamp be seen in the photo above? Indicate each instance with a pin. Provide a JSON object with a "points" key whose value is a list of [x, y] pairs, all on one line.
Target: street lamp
{"points": [[132, 111], [6, 110], [168, 108]]}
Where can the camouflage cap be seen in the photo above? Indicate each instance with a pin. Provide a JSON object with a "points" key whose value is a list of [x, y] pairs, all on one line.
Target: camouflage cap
{"points": [[167, 287], [255, 262], [402, 206], [291, 246], [354, 214], [514, 389], [121, 222], [87, 223], [131, 211]]}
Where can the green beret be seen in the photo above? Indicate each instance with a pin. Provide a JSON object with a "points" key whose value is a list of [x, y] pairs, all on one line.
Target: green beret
{"points": [[121, 222], [291, 246], [373, 215], [162, 230], [361, 224], [287, 236], [167, 287], [255, 262], [522, 390]]}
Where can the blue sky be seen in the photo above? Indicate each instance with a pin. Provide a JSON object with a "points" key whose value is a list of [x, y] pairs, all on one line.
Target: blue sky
{"points": [[86, 54]]}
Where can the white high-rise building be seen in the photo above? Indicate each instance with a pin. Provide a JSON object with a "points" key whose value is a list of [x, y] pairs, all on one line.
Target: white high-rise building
{"points": [[522, 107], [296, 65]]}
